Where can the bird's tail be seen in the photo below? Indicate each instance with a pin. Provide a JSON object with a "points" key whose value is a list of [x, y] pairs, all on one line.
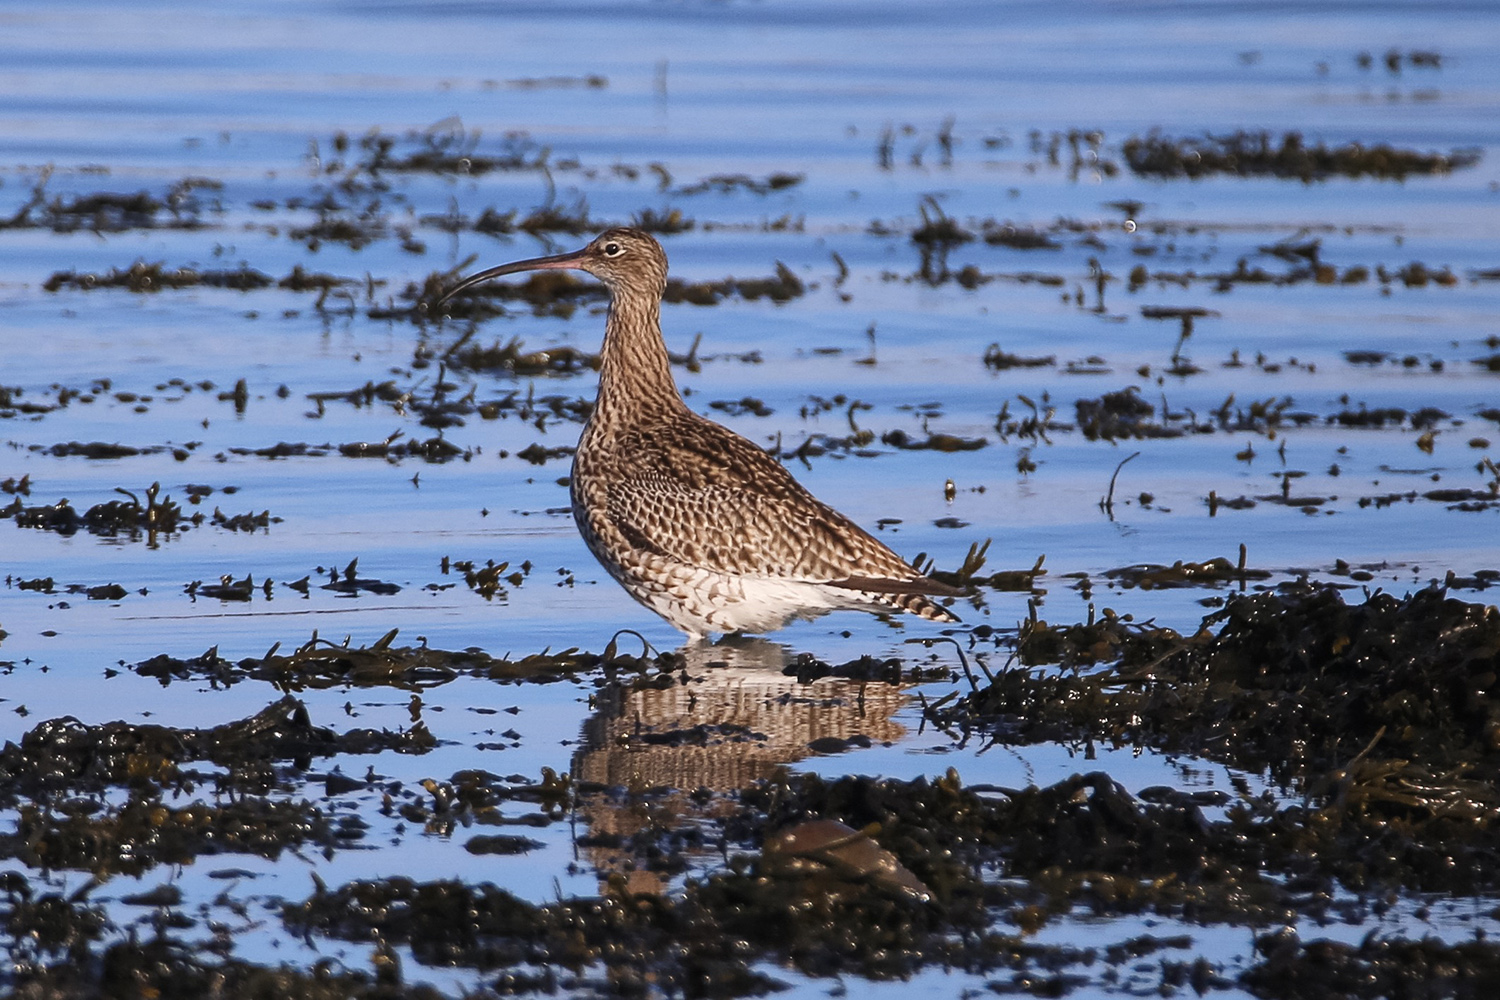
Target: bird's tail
{"points": [[914, 595], [922, 606]]}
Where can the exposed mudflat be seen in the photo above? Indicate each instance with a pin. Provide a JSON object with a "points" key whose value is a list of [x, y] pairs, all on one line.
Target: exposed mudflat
{"points": [[1167, 334]]}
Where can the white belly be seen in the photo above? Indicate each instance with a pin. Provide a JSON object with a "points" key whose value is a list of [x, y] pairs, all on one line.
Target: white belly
{"points": [[700, 602], [749, 604]]}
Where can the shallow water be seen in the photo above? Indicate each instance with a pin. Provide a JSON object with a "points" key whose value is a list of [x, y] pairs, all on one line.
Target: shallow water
{"points": [[885, 120]]}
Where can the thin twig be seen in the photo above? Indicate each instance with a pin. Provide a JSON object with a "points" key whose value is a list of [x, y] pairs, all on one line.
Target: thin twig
{"points": [[1108, 503]]}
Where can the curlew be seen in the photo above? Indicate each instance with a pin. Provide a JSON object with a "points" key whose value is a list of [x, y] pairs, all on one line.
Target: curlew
{"points": [[696, 522]]}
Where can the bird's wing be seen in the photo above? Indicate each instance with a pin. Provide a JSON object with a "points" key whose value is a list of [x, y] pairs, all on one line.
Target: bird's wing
{"points": [[705, 496]]}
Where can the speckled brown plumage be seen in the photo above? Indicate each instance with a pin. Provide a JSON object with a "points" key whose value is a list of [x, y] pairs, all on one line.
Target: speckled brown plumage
{"points": [[695, 521]]}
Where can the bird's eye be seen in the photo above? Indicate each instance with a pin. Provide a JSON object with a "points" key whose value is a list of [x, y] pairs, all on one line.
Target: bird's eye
{"points": [[613, 250]]}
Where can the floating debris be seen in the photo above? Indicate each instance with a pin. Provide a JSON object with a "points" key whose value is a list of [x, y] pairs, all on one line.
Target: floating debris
{"points": [[349, 583], [1001, 360], [932, 442]]}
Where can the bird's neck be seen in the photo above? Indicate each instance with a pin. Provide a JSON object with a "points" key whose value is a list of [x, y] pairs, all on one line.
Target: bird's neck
{"points": [[635, 376]]}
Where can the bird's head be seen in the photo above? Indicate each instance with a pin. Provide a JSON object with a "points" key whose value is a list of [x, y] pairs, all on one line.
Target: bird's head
{"points": [[628, 261]]}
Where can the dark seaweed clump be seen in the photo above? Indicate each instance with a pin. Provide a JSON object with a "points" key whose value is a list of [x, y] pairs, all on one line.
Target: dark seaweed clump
{"points": [[57, 777], [1257, 154], [1380, 713], [159, 514], [318, 663], [1081, 845], [153, 516], [113, 212], [58, 964], [1297, 681], [143, 277], [1384, 714], [446, 148], [1122, 414], [155, 277]]}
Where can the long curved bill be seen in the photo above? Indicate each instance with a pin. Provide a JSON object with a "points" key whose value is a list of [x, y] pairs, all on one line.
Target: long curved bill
{"points": [[560, 261]]}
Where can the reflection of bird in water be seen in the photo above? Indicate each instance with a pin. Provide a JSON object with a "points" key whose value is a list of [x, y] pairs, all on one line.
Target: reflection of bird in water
{"points": [[735, 721], [696, 522]]}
